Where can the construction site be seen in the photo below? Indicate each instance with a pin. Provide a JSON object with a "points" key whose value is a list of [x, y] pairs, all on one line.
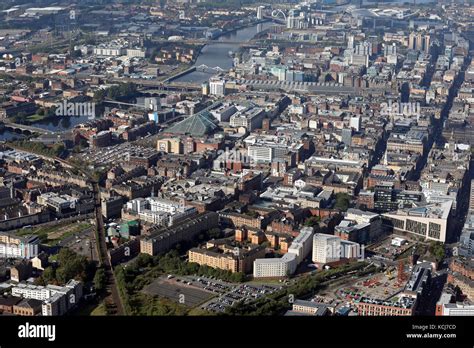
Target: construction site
{"points": [[385, 285]]}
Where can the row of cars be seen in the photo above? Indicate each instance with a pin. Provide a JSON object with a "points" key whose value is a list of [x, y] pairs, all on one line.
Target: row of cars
{"points": [[243, 292]]}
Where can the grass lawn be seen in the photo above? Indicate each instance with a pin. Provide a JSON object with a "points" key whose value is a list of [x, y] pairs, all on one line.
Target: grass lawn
{"points": [[89, 309], [35, 118], [99, 310], [265, 282], [53, 234]]}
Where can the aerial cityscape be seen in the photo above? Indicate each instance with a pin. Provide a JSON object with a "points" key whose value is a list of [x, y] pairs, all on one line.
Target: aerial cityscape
{"points": [[236, 158]]}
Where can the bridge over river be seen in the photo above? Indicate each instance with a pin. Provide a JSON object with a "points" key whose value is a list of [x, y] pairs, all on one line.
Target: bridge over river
{"points": [[9, 124], [201, 68]]}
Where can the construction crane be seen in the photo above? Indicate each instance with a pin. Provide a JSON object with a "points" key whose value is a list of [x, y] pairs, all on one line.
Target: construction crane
{"points": [[402, 277]]}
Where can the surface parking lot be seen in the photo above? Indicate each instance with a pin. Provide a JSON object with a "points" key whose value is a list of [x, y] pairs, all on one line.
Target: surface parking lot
{"points": [[179, 291], [208, 293], [242, 292]]}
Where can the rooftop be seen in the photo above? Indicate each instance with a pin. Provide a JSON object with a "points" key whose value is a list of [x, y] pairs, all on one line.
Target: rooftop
{"points": [[197, 125]]}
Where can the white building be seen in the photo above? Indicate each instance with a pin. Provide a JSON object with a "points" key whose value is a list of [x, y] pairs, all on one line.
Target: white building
{"points": [[324, 247], [260, 12], [261, 153], [217, 87], [57, 300], [286, 265], [136, 53], [41, 11], [266, 148], [359, 59], [302, 244], [108, 51], [32, 291], [350, 42], [355, 122], [457, 309], [328, 248], [160, 211], [275, 268], [57, 202]]}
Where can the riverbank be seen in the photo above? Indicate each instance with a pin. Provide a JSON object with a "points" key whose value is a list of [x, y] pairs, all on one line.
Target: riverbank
{"points": [[216, 53], [241, 27]]}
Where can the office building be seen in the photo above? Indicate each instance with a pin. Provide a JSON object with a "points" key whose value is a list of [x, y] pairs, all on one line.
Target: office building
{"points": [[359, 226], [429, 222], [250, 118]]}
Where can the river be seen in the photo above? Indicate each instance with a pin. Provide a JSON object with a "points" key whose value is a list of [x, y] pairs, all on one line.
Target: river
{"points": [[216, 54], [7, 135], [60, 123]]}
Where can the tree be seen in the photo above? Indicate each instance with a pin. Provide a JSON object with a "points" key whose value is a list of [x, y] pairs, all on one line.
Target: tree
{"points": [[58, 148], [100, 279], [214, 233], [437, 250], [312, 221], [253, 214], [50, 112], [20, 118], [49, 274], [72, 266], [342, 201]]}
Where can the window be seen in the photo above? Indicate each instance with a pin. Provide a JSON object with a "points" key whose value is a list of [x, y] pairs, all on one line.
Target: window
{"points": [[416, 227], [434, 230], [396, 223]]}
